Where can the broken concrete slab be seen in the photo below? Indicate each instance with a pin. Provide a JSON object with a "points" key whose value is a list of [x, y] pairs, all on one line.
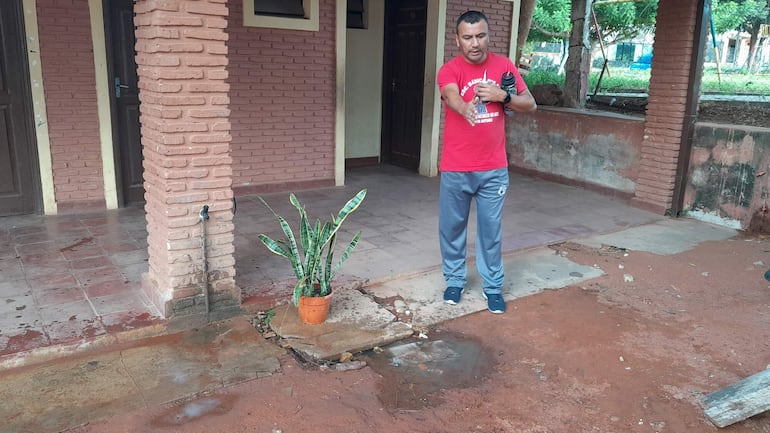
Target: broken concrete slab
{"points": [[526, 274], [355, 323]]}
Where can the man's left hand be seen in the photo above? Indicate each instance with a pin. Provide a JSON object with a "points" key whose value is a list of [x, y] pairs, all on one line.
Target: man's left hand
{"points": [[490, 92]]}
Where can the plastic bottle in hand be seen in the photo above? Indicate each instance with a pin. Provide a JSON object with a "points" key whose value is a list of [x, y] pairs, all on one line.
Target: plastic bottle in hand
{"points": [[508, 83]]}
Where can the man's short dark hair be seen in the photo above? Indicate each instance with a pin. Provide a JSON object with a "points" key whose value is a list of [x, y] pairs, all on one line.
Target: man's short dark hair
{"points": [[471, 17]]}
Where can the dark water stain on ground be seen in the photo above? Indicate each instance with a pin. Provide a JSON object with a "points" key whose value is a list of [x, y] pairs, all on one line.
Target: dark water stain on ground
{"points": [[192, 410], [72, 247], [414, 373], [30, 338], [760, 222]]}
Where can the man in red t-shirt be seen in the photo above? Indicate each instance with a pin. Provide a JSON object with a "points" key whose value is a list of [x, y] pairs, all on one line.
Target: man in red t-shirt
{"points": [[473, 163]]}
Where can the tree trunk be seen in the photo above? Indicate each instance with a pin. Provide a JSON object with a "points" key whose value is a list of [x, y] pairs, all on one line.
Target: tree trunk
{"points": [[579, 57], [525, 22], [753, 44]]}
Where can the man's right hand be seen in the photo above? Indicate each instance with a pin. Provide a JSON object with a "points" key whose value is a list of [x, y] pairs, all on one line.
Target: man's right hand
{"points": [[469, 110], [451, 95]]}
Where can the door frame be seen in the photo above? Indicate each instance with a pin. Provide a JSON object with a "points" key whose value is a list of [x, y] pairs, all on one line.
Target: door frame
{"points": [[105, 111], [390, 57], [105, 101], [33, 94], [431, 107], [431, 103]]}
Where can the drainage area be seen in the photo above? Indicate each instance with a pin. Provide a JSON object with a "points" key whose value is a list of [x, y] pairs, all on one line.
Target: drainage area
{"points": [[415, 373]]}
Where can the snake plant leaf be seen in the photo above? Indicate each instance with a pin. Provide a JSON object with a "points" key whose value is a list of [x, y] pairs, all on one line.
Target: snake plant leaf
{"points": [[275, 246], [293, 250], [304, 226], [312, 255], [351, 246], [349, 207], [326, 276]]}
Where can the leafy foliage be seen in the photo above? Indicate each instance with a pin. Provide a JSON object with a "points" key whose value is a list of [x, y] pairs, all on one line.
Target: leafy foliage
{"points": [[551, 21], [744, 15], [312, 259], [623, 21]]}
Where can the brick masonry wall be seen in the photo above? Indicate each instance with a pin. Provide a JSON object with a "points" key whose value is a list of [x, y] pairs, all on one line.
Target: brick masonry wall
{"points": [[67, 58], [283, 103], [182, 58], [499, 15], [669, 84]]}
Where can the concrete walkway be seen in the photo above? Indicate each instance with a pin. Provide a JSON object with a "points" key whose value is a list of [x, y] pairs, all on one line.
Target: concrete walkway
{"points": [[63, 393]]}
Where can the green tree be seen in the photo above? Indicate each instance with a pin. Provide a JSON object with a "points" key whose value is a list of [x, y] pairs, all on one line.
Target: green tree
{"points": [[742, 15], [618, 20], [726, 15], [551, 21], [738, 14], [625, 20]]}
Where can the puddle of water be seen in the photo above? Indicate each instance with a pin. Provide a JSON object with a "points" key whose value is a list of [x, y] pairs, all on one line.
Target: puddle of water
{"points": [[192, 410], [414, 373]]}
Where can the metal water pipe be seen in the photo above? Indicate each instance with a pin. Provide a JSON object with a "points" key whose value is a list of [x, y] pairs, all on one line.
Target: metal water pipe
{"points": [[204, 216]]}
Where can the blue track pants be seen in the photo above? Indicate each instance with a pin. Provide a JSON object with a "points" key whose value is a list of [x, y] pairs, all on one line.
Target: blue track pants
{"points": [[458, 189]]}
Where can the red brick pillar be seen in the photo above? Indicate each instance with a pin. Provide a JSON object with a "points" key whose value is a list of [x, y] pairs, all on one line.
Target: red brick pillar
{"points": [[670, 83], [182, 58]]}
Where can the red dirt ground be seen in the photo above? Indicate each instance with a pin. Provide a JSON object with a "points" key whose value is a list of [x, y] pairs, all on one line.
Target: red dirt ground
{"points": [[608, 356]]}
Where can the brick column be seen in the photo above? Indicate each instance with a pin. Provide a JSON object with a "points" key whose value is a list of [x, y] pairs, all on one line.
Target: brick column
{"points": [[670, 82], [182, 58]]}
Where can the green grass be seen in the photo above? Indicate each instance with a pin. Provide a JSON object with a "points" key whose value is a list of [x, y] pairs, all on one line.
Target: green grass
{"points": [[625, 80]]}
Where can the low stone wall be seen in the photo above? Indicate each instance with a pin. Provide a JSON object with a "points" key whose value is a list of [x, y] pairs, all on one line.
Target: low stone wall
{"points": [[596, 150], [728, 181]]}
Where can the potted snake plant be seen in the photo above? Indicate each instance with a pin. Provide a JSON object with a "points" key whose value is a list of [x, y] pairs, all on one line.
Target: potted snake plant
{"points": [[311, 254]]}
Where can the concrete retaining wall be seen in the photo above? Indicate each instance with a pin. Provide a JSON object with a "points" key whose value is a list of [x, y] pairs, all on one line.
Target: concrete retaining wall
{"points": [[727, 182], [597, 150]]}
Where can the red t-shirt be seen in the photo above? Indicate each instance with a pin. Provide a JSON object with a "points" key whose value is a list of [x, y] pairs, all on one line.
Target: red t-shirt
{"points": [[479, 147]]}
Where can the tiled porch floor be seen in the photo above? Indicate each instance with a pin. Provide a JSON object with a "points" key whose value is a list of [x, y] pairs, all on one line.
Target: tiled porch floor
{"points": [[65, 279]]}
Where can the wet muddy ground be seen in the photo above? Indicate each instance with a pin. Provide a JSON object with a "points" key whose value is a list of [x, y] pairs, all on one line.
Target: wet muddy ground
{"points": [[635, 350], [416, 374]]}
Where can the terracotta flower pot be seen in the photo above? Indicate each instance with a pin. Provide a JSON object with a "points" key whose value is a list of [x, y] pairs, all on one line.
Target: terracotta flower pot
{"points": [[314, 310]]}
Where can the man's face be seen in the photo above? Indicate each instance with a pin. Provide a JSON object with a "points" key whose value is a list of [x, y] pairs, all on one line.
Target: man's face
{"points": [[473, 41]]}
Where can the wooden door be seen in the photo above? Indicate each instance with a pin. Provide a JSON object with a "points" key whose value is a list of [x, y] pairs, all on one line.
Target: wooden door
{"points": [[403, 77], [125, 98], [19, 179]]}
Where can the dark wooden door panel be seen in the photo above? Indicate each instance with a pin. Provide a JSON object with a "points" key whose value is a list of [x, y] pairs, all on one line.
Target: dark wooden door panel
{"points": [[7, 164], [128, 144], [404, 62], [19, 191], [131, 154]]}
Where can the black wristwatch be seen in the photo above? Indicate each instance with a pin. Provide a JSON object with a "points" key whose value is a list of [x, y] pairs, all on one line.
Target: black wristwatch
{"points": [[507, 99]]}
